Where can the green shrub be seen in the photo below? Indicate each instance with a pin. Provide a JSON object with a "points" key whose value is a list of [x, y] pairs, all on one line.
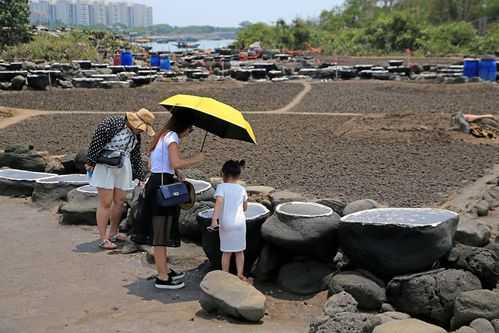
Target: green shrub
{"points": [[52, 47], [449, 38]]}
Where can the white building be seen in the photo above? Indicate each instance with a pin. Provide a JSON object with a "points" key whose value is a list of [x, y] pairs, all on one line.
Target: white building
{"points": [[90, 13], [118, 14], [64, 12], [40, 12], [82, 13], [98, 13]]}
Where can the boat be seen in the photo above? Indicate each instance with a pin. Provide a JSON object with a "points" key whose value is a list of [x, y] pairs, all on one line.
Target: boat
{"points": [[185, 45]]}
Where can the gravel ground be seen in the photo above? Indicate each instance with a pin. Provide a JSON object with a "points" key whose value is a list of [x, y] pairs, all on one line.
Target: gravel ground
{"points": [[402, 160], [246, 97], [377, 96]]}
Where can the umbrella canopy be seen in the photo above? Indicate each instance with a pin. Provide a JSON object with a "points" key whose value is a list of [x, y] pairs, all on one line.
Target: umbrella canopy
{"points": [[213, 116]]}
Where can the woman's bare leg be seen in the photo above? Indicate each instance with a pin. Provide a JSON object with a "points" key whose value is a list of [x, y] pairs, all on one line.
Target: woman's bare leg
{"points": [[240, 264], [161, 263], [119, 198], [226, 261], [104, 211]]}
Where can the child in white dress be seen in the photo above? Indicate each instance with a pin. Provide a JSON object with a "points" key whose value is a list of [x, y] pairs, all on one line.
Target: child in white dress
{"points": [[231, 203]]}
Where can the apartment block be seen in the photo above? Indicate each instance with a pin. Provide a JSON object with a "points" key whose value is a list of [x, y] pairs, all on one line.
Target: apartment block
{"points": [[90, 13]]}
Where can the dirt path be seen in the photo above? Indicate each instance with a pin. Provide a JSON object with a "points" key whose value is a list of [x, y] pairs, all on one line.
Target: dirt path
{"points": [[53, 279], [16, 115], [307, 87]]}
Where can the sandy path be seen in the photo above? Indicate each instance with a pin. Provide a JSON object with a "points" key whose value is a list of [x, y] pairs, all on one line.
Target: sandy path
{"points": [[54, 281]]}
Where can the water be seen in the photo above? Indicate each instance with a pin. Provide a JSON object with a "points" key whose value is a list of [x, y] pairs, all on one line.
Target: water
{"points": [[204, 45]]}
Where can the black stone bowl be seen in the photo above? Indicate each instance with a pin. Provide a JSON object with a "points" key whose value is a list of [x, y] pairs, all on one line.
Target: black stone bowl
{"points": [[397, 241], [256, 215]]}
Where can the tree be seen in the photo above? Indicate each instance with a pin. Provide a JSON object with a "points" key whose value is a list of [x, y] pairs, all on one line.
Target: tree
{"points": [[14, 22]]}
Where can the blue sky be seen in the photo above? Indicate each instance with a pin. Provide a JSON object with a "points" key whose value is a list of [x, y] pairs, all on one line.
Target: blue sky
{"points": [[232, 12]]}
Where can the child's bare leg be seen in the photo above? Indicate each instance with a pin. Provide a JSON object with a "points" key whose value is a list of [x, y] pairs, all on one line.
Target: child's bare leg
{"points": [[226, 261], [240, 264]]}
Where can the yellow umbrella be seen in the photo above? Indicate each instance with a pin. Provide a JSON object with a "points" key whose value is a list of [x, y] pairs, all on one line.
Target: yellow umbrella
{"points": [[213, 116]]}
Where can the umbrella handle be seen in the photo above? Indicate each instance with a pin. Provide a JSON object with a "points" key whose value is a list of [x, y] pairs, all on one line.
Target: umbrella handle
{"points": [[204, 140]]}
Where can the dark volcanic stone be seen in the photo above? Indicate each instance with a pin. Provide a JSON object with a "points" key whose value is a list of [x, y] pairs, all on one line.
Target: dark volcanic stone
{"points": [[368, 293], [304, 277], [38, 82], [482, 262], [430, 295], [475, 304], [26, 160], [304, 229], [377, 239]]}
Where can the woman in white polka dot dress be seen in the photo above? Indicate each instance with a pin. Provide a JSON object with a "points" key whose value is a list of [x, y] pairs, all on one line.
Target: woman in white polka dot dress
{"points": [[116, 136]]}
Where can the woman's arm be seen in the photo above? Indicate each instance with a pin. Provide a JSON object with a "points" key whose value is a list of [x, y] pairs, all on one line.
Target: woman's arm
{"points": [[217, 211], [245, 206], [176, 160]]}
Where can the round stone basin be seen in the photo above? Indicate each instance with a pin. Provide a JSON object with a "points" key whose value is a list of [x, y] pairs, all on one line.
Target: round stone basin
{"points": [[74, 179], [397, 241], [303, 209], [200, 186], [87, 189], [408, 217], [23, 175], [255, 217], [255, 211]]}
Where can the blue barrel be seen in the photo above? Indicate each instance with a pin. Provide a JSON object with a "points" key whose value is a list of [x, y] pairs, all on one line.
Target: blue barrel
{"points": [[155, 60], [471, 67], [165, 64], [126, 58], [488, 70]]}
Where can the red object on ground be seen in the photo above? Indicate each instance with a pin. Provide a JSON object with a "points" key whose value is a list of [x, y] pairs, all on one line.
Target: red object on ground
{"points": [[116, 59]]}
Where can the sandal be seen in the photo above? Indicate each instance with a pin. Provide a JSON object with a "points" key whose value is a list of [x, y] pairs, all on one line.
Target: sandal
{"points": [[106, 244], [118, 238]]}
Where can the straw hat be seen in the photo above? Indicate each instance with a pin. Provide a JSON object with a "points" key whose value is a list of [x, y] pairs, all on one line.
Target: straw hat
{"points": [[142, 120]]}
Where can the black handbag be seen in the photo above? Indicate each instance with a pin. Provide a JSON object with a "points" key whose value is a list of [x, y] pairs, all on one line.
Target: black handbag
{"points": [[113, 158]]}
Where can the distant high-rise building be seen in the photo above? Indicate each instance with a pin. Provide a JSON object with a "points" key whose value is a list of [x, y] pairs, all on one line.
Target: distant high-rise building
{"points": [[64, 12], [40, 12], [90, 12], [98, 13], [82, 12], [118, 14]]}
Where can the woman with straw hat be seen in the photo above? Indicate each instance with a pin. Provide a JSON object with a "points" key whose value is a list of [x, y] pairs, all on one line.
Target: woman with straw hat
{"points": [[114, 161]]}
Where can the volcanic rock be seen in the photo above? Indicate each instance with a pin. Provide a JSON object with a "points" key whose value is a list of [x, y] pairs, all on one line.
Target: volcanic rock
{"points": [[408, 326], [304, 277], [430, 294], [340, 302], [344, 322], [482, 262], [482, 326], [376, 239], [368, 293], [360, 205], [227, 294], [472, 232], [189, 227], [474, 304]]}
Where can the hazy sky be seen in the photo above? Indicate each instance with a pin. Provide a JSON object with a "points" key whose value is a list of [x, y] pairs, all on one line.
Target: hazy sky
{"points": [[232, 12]]}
